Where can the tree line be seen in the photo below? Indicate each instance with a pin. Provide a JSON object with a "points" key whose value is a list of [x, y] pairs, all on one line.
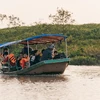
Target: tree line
{"points": [[83, 40]]}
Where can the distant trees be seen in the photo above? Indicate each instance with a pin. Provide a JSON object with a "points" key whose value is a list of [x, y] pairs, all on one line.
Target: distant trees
{"points": [[2, 17], [61, 17], [12, 21]]}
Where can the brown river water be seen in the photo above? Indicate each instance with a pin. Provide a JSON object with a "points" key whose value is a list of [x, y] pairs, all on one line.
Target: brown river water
{"points": [[76, 83]]}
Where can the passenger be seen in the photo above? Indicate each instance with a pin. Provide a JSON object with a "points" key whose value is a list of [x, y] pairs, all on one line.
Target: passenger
{"points": [[37, 56], [24, 62], [47, 54], [53, 50], [18, 59], [42, 52], [5, 59], [25, 49], [5, 50], [11, 59], [32, 58], [56, 56], [62, 55]]}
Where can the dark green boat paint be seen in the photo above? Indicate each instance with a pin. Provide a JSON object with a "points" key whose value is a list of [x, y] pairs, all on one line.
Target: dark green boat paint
{"points": [[51, 63]]}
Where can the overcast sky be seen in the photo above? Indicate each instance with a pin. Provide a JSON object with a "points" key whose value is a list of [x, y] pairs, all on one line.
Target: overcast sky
{"points": [[84, 11]]}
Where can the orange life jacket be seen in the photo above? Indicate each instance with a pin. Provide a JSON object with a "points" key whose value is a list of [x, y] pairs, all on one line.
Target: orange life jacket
{"points": [[12, 58], [23, 62]]}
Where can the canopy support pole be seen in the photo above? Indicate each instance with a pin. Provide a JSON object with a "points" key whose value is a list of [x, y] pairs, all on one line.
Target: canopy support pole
{"points": [[66, 47], [36, 46], [28, 53]]}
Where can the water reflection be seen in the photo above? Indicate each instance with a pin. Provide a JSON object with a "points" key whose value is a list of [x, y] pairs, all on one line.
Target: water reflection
{"points": [[48, 79], [35, 78]]}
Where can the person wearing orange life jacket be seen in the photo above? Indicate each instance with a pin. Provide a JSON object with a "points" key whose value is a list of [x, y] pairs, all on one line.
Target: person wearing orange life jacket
{"points": [[4, 61], [12, 59], [24, 62]]}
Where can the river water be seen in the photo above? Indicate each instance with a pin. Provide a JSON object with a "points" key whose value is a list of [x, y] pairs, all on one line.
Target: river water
{"points": [[77, 83]]}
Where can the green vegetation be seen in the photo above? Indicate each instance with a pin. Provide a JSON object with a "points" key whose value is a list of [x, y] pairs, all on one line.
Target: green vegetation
{"points": [[83, 40]]}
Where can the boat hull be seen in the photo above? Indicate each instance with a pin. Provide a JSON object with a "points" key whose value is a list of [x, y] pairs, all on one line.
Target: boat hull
{"points": [[49, 69], [57, 66]]}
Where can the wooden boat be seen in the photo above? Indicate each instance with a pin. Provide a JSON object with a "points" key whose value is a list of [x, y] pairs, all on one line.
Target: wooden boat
{"points": [[57, 66], [53, 66]]}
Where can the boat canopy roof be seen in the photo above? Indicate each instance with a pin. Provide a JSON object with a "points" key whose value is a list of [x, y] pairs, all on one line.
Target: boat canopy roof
{"points": [[40, 39], [9, 43], [44, 38]]}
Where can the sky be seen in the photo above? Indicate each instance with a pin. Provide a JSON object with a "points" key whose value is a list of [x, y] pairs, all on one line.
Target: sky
{"points": [[29, 11]]}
